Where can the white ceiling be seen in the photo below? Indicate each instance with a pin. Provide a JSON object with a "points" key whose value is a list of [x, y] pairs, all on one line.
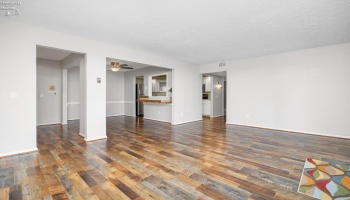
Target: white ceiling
{"points": [[129, 63], [223, 74], [198, 31], [51, 54]]}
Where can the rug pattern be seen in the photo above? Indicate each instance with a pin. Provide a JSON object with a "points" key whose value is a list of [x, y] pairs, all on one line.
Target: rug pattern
{"points": [[324, 180]]}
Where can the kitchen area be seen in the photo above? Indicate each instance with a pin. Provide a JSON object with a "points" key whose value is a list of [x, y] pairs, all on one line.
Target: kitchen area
{"points": [[138, 90], [155, 103]]}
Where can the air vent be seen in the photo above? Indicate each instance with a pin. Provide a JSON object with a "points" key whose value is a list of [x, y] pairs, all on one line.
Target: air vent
{"points": [[222, 64]]}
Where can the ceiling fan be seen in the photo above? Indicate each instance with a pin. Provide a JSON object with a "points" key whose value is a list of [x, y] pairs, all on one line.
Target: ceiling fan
{"points": [[116, 66]]}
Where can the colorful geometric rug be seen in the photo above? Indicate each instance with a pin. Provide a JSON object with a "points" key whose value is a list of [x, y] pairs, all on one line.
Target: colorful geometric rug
{"points": [[324, 180]]}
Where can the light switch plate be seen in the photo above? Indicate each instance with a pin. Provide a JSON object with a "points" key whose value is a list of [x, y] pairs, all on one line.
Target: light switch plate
{"points": [[14, 95]]}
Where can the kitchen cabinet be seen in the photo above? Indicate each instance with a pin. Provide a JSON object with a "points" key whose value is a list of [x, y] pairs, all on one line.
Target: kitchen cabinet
{"points": [[207, 80], [162, 86], [206, 107], [155, 86], [158, 86]]}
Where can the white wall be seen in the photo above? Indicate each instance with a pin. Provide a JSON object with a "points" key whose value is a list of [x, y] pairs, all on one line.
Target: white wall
{"points": [[157, 111], [73, 95], [71, 110], [115, 93], [303, 91], [49, 106], [83, 98], [64, 101], [217, 97], [73, 60], [18, 48]]}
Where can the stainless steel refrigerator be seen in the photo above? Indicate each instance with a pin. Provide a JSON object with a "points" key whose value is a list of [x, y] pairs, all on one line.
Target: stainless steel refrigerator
{"points": [[139, 105]]}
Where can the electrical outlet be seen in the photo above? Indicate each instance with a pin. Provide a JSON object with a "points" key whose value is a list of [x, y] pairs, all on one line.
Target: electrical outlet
{"points": [[246, 116], [13, 95], [182, 114]]}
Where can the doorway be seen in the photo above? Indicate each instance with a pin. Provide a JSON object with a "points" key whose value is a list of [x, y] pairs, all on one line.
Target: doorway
{"points": [[225, 98], [214, 95], [139, 92], [58, 85]]}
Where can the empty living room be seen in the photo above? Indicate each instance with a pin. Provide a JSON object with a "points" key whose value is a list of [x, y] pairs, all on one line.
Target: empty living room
{"points": [[245, 99]]}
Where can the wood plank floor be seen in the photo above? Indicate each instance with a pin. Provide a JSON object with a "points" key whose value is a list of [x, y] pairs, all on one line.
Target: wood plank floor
{"points": [[143, 159]]}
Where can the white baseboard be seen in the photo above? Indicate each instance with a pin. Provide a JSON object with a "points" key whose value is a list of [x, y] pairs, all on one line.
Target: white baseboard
{"points": [[292, 131], [93, 139], [187, 122], [18, 152], [217, 116], [158, 120], [115, 115], [130, 115], [54, 123], [115, 102]]}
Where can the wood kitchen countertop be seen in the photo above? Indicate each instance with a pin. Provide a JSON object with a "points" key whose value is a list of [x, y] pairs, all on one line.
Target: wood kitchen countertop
{"points": [[155, 101]]}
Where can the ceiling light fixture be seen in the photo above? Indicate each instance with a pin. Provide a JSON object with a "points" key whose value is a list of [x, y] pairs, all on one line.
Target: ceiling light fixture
{"points": [[115, 69], [116, 66]]}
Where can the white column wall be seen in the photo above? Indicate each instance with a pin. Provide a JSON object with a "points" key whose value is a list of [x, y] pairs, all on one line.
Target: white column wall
{"points": [[82, 98], [187, 95], [95, 96]]}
